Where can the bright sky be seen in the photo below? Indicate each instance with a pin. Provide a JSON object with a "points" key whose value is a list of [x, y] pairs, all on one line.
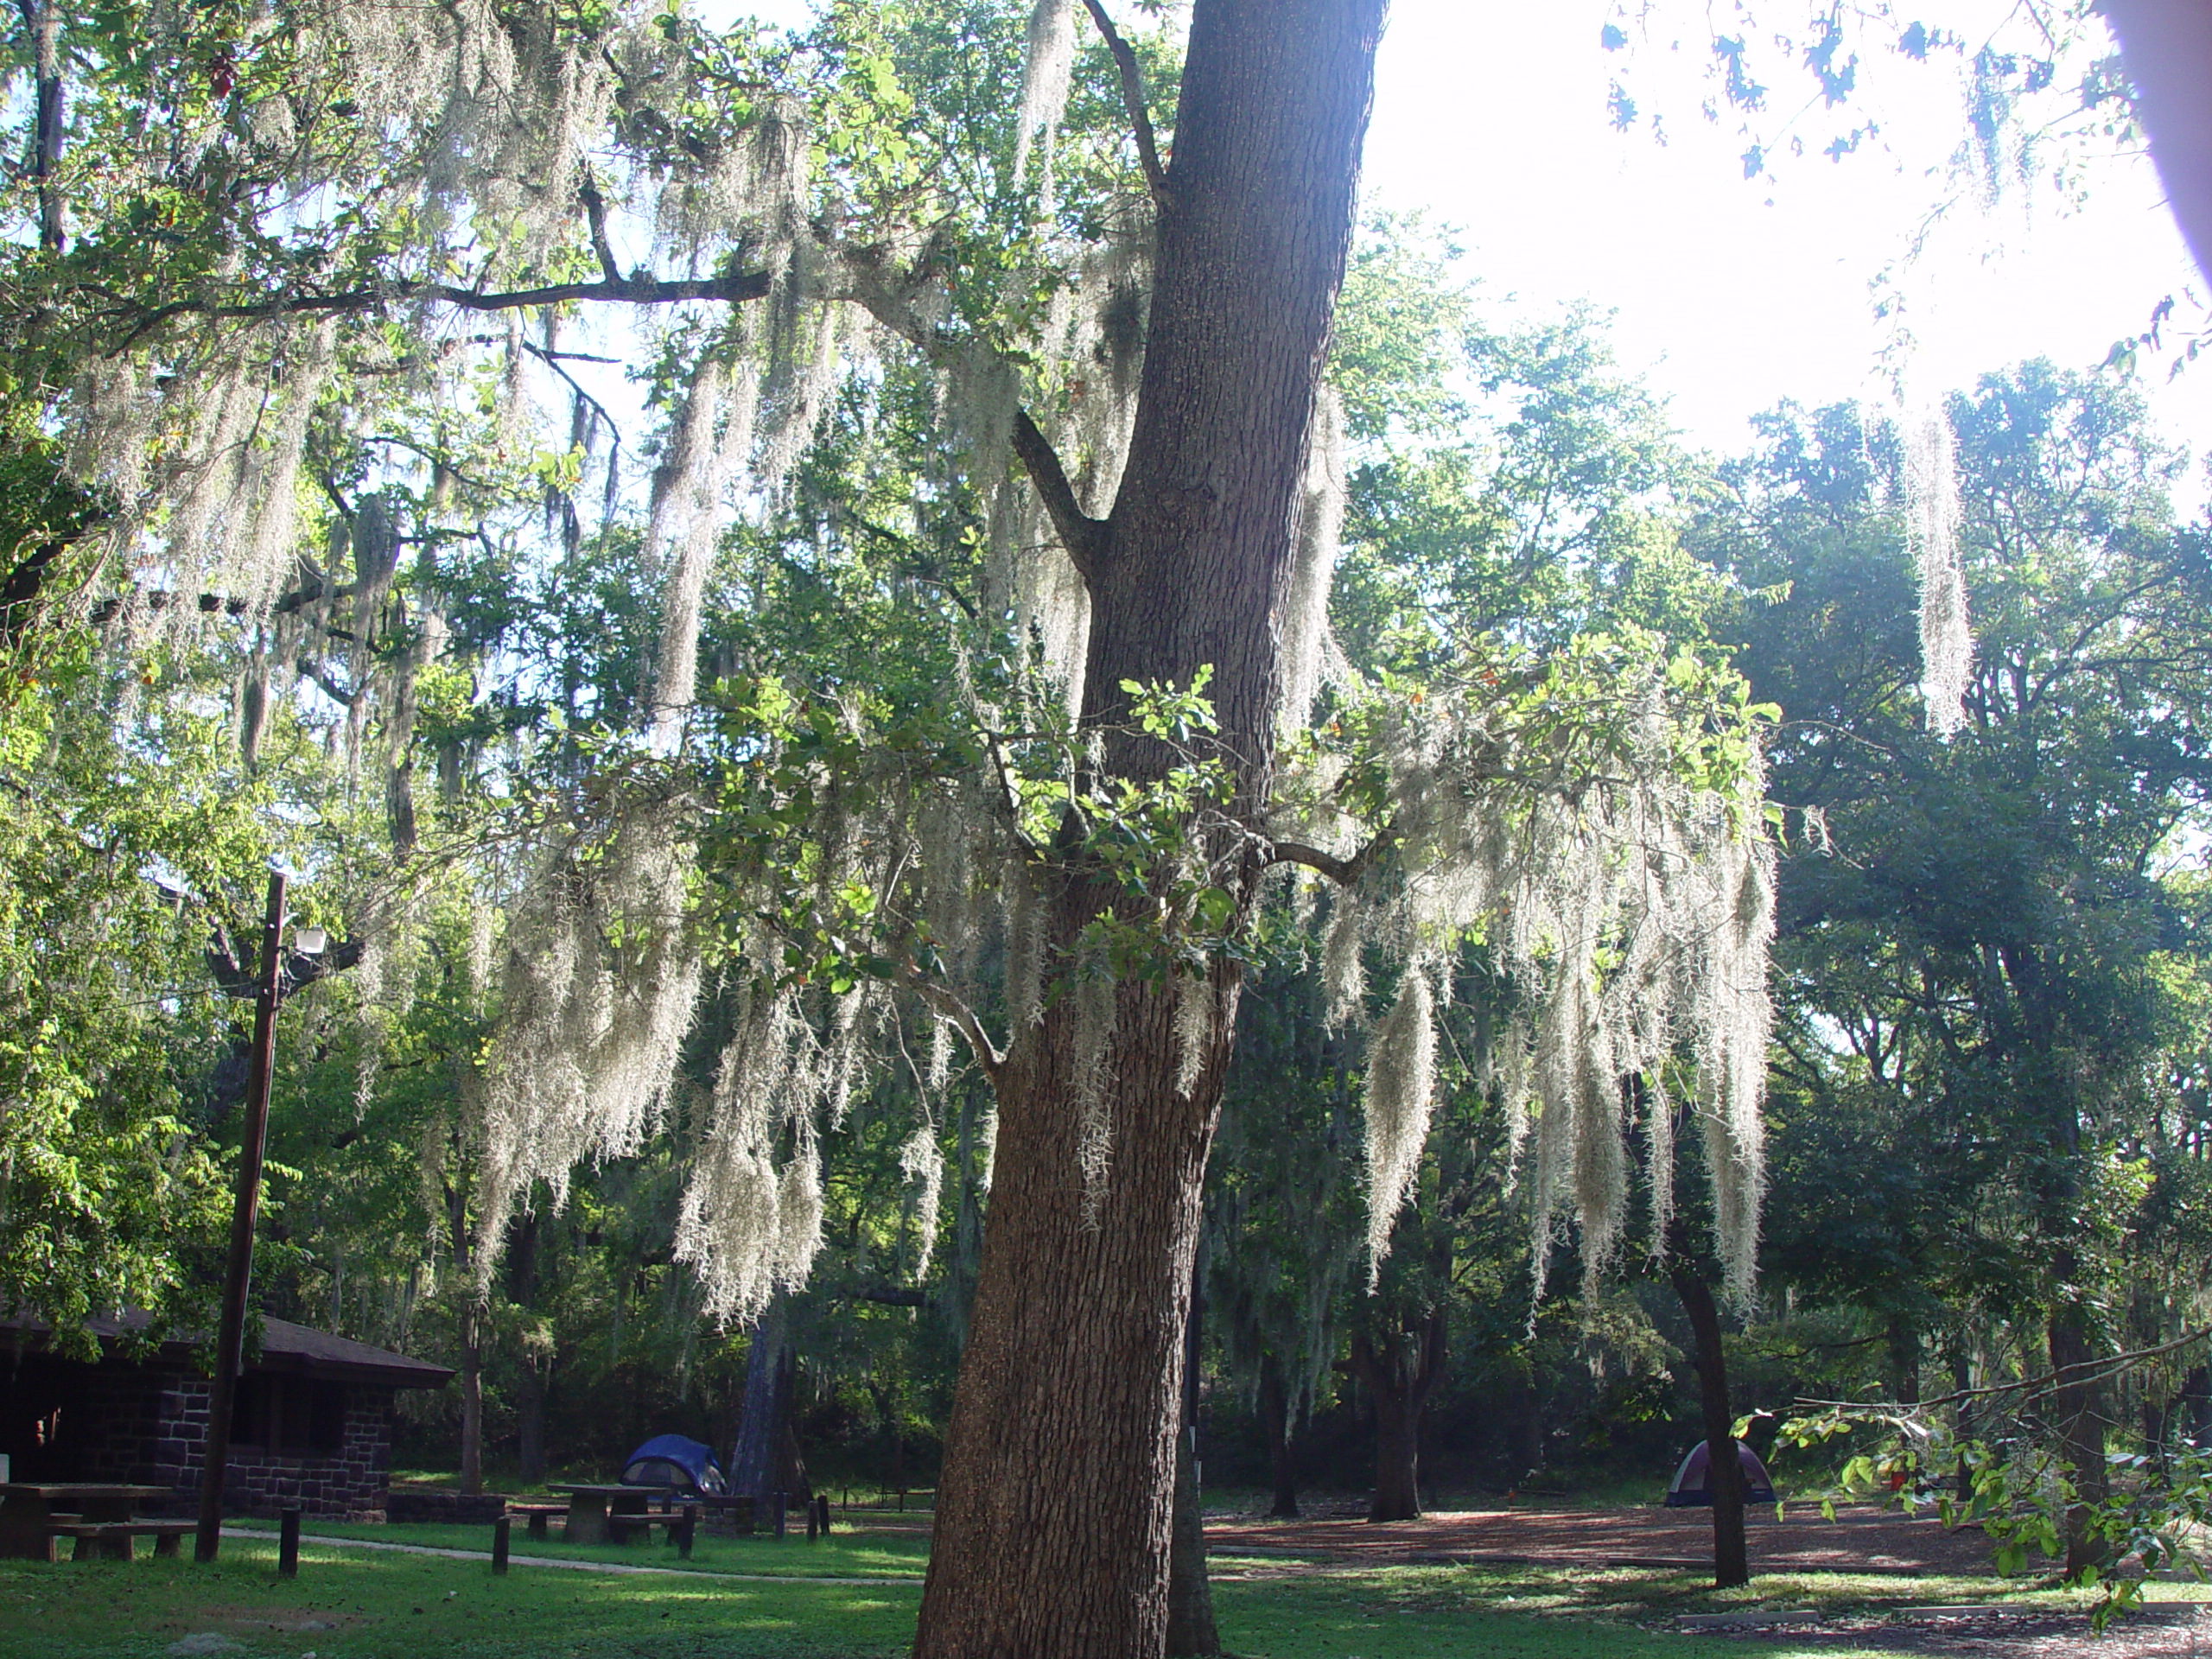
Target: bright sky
{"points": [[1729, 295], [1492, 114]]}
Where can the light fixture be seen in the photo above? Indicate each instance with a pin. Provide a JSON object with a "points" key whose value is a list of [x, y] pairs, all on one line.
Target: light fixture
{"points": [[310, 941]]}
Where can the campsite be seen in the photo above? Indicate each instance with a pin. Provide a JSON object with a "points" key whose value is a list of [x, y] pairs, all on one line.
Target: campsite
{"points": [[1105, 828]]}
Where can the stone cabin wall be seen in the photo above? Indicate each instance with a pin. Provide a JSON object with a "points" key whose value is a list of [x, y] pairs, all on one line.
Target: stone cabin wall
{"points": [[149, 1426]]}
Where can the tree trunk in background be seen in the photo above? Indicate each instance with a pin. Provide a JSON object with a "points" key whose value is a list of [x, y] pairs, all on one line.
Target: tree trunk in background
{"points": [[1962, 1422], [1190, 1631], [756, 1461], [530, 1422], [530, 1374], [1275, 1417], [1398, 1380], [1903, 1342], [2078, 1414], [1053, 1520], [791, 1468], [472, 1343], [1527, 1429], [2196, 1405], [1731, 1558], [471, 1399]]}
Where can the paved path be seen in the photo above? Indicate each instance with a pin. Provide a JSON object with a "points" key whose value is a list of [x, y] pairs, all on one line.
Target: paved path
{"points": [[560, 1561]]}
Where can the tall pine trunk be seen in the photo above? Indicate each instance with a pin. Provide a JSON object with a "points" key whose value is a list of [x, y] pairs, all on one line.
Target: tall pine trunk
{"points": [[1724, 1478], [1053, 1518]]}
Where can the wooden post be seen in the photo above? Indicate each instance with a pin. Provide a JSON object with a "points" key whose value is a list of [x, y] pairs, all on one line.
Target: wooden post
{"points": [[776, 1513], [502, 1534], [813, 1519], [287, 1544], [825, 1501], [238, 1271], [683, 1530]]}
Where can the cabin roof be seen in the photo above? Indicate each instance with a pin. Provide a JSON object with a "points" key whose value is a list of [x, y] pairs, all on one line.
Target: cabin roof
{"points": [[286, 1349]]}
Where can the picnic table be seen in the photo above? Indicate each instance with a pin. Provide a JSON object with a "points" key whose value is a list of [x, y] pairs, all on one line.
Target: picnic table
{"points": [[101, 1513], [597, 1514]]}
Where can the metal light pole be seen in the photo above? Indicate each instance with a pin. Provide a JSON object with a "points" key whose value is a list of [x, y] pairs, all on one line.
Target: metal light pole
{"points": [[238, 1273]]}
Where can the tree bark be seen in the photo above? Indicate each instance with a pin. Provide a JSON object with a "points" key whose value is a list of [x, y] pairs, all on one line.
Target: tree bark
{"points": [[472, 1398], [42, 22], [755, 1462], [1725, 1480], [2196, 1405], [2167, 45], [2079, 1417], [1282, 1457], [1399, 1382], [1053, 1518], [1192, 1633]]}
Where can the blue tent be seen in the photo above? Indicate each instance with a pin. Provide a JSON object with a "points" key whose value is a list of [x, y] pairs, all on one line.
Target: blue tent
{"points": [[674, 1460], [1692, 1487]]}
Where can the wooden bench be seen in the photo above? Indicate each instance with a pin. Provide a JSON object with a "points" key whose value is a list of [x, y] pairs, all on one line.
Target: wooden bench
{"points": [[537, 1514], [113, 1540]]}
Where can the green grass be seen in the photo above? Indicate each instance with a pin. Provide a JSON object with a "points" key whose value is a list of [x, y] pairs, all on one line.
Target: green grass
{"points": [[354, 1604]]}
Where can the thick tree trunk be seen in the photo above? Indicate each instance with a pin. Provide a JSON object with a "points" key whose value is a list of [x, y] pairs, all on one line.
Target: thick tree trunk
{"points": [[2168, 48], [1053, 1518], [755, 1461], [2079, 1417], [1398, 1380], [1283, 1457], [1192, 1633], [1731, 1558]]}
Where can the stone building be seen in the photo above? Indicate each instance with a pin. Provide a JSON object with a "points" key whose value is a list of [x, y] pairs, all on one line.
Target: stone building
{"points": [[313, 1425]]}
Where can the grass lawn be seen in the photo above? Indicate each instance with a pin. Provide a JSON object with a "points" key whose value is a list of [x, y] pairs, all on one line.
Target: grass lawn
{"points": [[355, 1603]]}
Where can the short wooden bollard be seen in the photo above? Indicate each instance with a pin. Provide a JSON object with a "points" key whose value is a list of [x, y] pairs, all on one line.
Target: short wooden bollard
{"points": [[776, 1513], [681, 1532], [813, 1519], [822, 1504], [502, 1534], [288, 1545]]}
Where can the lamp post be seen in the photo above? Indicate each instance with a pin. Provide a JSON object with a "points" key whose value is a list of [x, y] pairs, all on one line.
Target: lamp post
{"points": [[274, 978]]}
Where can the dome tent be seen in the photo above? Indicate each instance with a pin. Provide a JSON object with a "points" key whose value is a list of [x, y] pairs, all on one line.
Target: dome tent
{"points": [[674, 1460], [1691, 1487]]}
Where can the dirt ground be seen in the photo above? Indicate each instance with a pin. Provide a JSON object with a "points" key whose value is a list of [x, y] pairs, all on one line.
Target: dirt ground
{"points": [[1862, 1538]]}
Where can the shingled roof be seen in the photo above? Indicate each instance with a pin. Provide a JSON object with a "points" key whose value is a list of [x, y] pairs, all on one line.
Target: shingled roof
{"points": [[286, 1349]]}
